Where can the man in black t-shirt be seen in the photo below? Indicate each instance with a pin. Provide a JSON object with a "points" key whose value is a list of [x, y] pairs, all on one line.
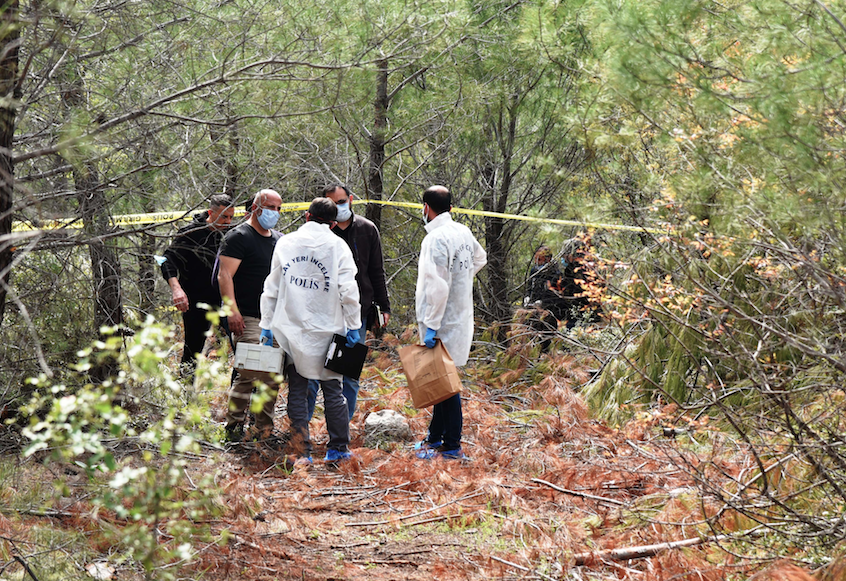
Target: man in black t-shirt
{"points": [[187, 268], [244, 264]]}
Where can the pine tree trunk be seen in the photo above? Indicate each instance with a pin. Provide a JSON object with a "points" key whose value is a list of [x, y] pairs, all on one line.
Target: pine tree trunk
{"points": [[495, 227], [105, 266], [147, 274], [9, 93], [377, 144]]}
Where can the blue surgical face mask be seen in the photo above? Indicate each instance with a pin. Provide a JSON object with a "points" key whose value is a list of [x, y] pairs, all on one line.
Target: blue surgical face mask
{"points": [[268, 218], [344, 212]]}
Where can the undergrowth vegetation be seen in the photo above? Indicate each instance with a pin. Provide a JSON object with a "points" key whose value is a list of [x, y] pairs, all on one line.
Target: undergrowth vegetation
{"points": [[744, 336], [132, 438], [135, 483]]}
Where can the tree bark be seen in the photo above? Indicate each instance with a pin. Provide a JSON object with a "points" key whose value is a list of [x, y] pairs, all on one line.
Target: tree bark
{"points": [[226, 142], [495, 227], [105, 266], [497, 265], [147, 274], [9, 94], [147, 271], [377, 144]]}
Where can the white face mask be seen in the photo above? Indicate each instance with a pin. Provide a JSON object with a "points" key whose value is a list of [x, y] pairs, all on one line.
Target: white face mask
{"points": [[344, 212], [268, 218], [425, 214]]}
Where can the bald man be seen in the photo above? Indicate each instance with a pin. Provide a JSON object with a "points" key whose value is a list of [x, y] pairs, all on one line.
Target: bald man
{"points": [[244, 264]]}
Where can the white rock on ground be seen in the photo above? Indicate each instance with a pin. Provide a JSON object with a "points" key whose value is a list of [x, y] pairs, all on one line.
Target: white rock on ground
{"points": [[385, 426]]}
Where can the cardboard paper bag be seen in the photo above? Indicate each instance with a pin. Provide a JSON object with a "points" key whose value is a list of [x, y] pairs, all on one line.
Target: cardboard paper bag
{"points": [[431, 374]]}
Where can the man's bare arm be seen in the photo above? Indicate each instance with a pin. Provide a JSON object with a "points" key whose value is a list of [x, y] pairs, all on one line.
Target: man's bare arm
{"points": [[228, 268]]}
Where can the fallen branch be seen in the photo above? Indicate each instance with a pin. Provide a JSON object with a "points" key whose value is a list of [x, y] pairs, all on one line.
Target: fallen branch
{"points": [[382, 562], [275, 552], [579, 494], [431, 520], [26, 567], [40, 513], [640, 552]]}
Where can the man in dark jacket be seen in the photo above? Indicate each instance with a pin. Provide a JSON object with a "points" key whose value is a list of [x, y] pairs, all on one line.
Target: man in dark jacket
{"points": [[188, 271], [545, 278], [362, 236]]}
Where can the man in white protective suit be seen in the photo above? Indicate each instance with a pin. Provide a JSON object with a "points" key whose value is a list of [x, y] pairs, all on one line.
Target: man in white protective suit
{"points": [[449, 259], [311, 294]]}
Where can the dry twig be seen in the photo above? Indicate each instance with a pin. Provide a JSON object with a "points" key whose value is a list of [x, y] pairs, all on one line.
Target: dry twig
{"points": [[521, 568], [579, 494], [640, 552], [415, 515]]}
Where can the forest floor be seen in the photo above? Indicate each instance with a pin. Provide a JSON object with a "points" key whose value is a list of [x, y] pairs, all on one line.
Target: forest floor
{"points": [[548, 491]]}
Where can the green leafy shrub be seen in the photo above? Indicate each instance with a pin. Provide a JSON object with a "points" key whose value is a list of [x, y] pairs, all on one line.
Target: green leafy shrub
{"points": [[147, 493]]}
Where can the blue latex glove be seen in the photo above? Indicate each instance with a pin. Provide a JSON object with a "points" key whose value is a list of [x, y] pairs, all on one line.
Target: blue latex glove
{"points": [[266, 337], [353, 337], [429, 340]]}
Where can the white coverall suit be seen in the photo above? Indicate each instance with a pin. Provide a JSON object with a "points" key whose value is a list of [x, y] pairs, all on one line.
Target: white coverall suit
{"points": [[309, 295], [449, 259]]}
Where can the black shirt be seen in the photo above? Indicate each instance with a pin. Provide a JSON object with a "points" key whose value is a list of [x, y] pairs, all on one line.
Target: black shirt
{"points": [[255, 253]]}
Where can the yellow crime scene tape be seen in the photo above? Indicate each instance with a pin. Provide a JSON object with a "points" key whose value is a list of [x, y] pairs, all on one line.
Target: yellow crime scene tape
{"points": [[470, 212], [161, 217]]}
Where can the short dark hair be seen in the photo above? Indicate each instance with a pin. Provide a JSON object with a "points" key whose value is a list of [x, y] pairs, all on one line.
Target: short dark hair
{"points": [[329, 188], [218, 200], [323, 210], [438, 198], [543, 251]]}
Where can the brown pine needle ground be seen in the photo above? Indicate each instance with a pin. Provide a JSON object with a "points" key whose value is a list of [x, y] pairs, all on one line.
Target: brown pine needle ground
{"points": [[545, 482], [547, 486]]}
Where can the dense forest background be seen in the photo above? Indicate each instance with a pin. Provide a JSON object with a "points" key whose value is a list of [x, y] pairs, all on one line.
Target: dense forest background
{"points": [[715, 129]]}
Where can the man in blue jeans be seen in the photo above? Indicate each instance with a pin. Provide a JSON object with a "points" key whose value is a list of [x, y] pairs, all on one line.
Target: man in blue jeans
{"points": [[450, 257], [362, 237]]}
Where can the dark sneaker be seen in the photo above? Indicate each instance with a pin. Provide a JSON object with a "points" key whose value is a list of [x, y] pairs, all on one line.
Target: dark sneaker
{"points": [[233, 434]]}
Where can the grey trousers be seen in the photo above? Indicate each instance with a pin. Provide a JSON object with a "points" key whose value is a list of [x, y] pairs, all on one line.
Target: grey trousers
{"points": [[336, 412]]}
